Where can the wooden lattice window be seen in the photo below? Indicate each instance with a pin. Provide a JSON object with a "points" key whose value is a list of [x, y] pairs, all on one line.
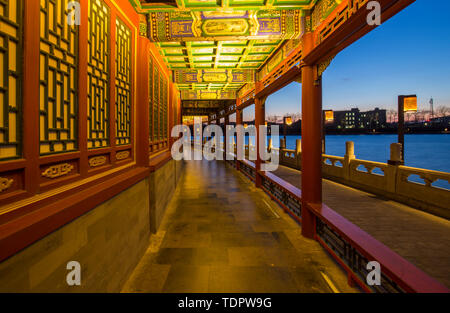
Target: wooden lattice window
{"points": [[98, 75], [10, 82], [58, 79], [123, 83]]}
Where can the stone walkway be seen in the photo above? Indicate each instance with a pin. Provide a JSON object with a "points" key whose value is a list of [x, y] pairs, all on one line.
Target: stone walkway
{"points": [[220, 234], [421, 238]]}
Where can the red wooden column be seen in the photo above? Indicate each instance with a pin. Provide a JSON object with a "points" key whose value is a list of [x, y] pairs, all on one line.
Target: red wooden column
{"points": [[259, 120], [31, 95], [83, 89], [142, 105], [238, 122], [311, 140]]}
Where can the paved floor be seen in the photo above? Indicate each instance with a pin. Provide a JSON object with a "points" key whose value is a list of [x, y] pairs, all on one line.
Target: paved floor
{"points": [[220, 234], [421, 238]]}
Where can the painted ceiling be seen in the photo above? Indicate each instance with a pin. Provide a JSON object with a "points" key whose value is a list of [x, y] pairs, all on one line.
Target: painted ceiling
{"points": [[215, 47], [215, 5]]}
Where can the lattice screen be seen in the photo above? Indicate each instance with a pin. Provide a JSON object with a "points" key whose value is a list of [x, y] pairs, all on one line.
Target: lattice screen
{"points": [[58, 79], [98, 75], [10, 96], [123, 83]]}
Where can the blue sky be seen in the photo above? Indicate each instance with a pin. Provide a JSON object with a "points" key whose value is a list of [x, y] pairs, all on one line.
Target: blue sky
{"points": [[408, 54]]}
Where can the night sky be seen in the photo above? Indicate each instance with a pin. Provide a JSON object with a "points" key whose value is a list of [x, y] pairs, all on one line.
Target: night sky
{"points": [[408, 54]]}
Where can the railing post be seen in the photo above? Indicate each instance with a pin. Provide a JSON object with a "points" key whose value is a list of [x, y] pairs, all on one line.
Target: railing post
{"points": [[298, 153], [349, 155], [142, 108], [281, 150], [311, 139], [282, 143], [396, 154], [393, 163]]}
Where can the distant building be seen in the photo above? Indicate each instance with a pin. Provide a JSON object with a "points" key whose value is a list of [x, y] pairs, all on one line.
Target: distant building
{"points": [[355, 119], [443, 121]]}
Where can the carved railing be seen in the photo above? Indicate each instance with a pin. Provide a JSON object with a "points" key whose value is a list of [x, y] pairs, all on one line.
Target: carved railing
{"points": [[426, 190], [248, 150], [390, 181], [290, 158], [250, 95], [338, 17], [248, 168], [350, 257], [286, 58], [286, 195], [363, 173], [333, 166]]}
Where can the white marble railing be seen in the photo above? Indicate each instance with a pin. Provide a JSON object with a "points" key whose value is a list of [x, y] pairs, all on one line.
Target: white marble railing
{"points": [[391, 180]]}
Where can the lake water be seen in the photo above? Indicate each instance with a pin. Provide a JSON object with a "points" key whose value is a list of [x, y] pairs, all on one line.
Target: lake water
{"points": [[427, 151], [423, 151]]}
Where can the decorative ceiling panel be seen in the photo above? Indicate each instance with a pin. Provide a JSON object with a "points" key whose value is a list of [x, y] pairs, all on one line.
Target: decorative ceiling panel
{"points": [[213, 76], [246, 54], [215, 47], [224, 25], [208, 94]]}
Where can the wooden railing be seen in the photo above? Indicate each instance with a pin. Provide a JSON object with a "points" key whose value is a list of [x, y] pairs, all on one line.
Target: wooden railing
{"points": [[349, 245]]}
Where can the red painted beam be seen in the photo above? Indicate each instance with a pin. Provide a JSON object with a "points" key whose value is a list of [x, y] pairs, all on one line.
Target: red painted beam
{"points": [[282, 81], [351, 30]]}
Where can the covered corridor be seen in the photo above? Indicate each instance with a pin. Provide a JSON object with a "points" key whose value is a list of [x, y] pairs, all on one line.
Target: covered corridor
{"points": [[221, 234], [91, 93]]}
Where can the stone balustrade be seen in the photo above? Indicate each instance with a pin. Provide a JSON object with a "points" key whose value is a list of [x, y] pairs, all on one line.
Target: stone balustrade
{"points": [[390, 180]]}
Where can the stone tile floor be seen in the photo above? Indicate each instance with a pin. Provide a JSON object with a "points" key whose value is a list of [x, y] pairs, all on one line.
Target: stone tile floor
{"points": [[419, 237], [220, 234]]}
